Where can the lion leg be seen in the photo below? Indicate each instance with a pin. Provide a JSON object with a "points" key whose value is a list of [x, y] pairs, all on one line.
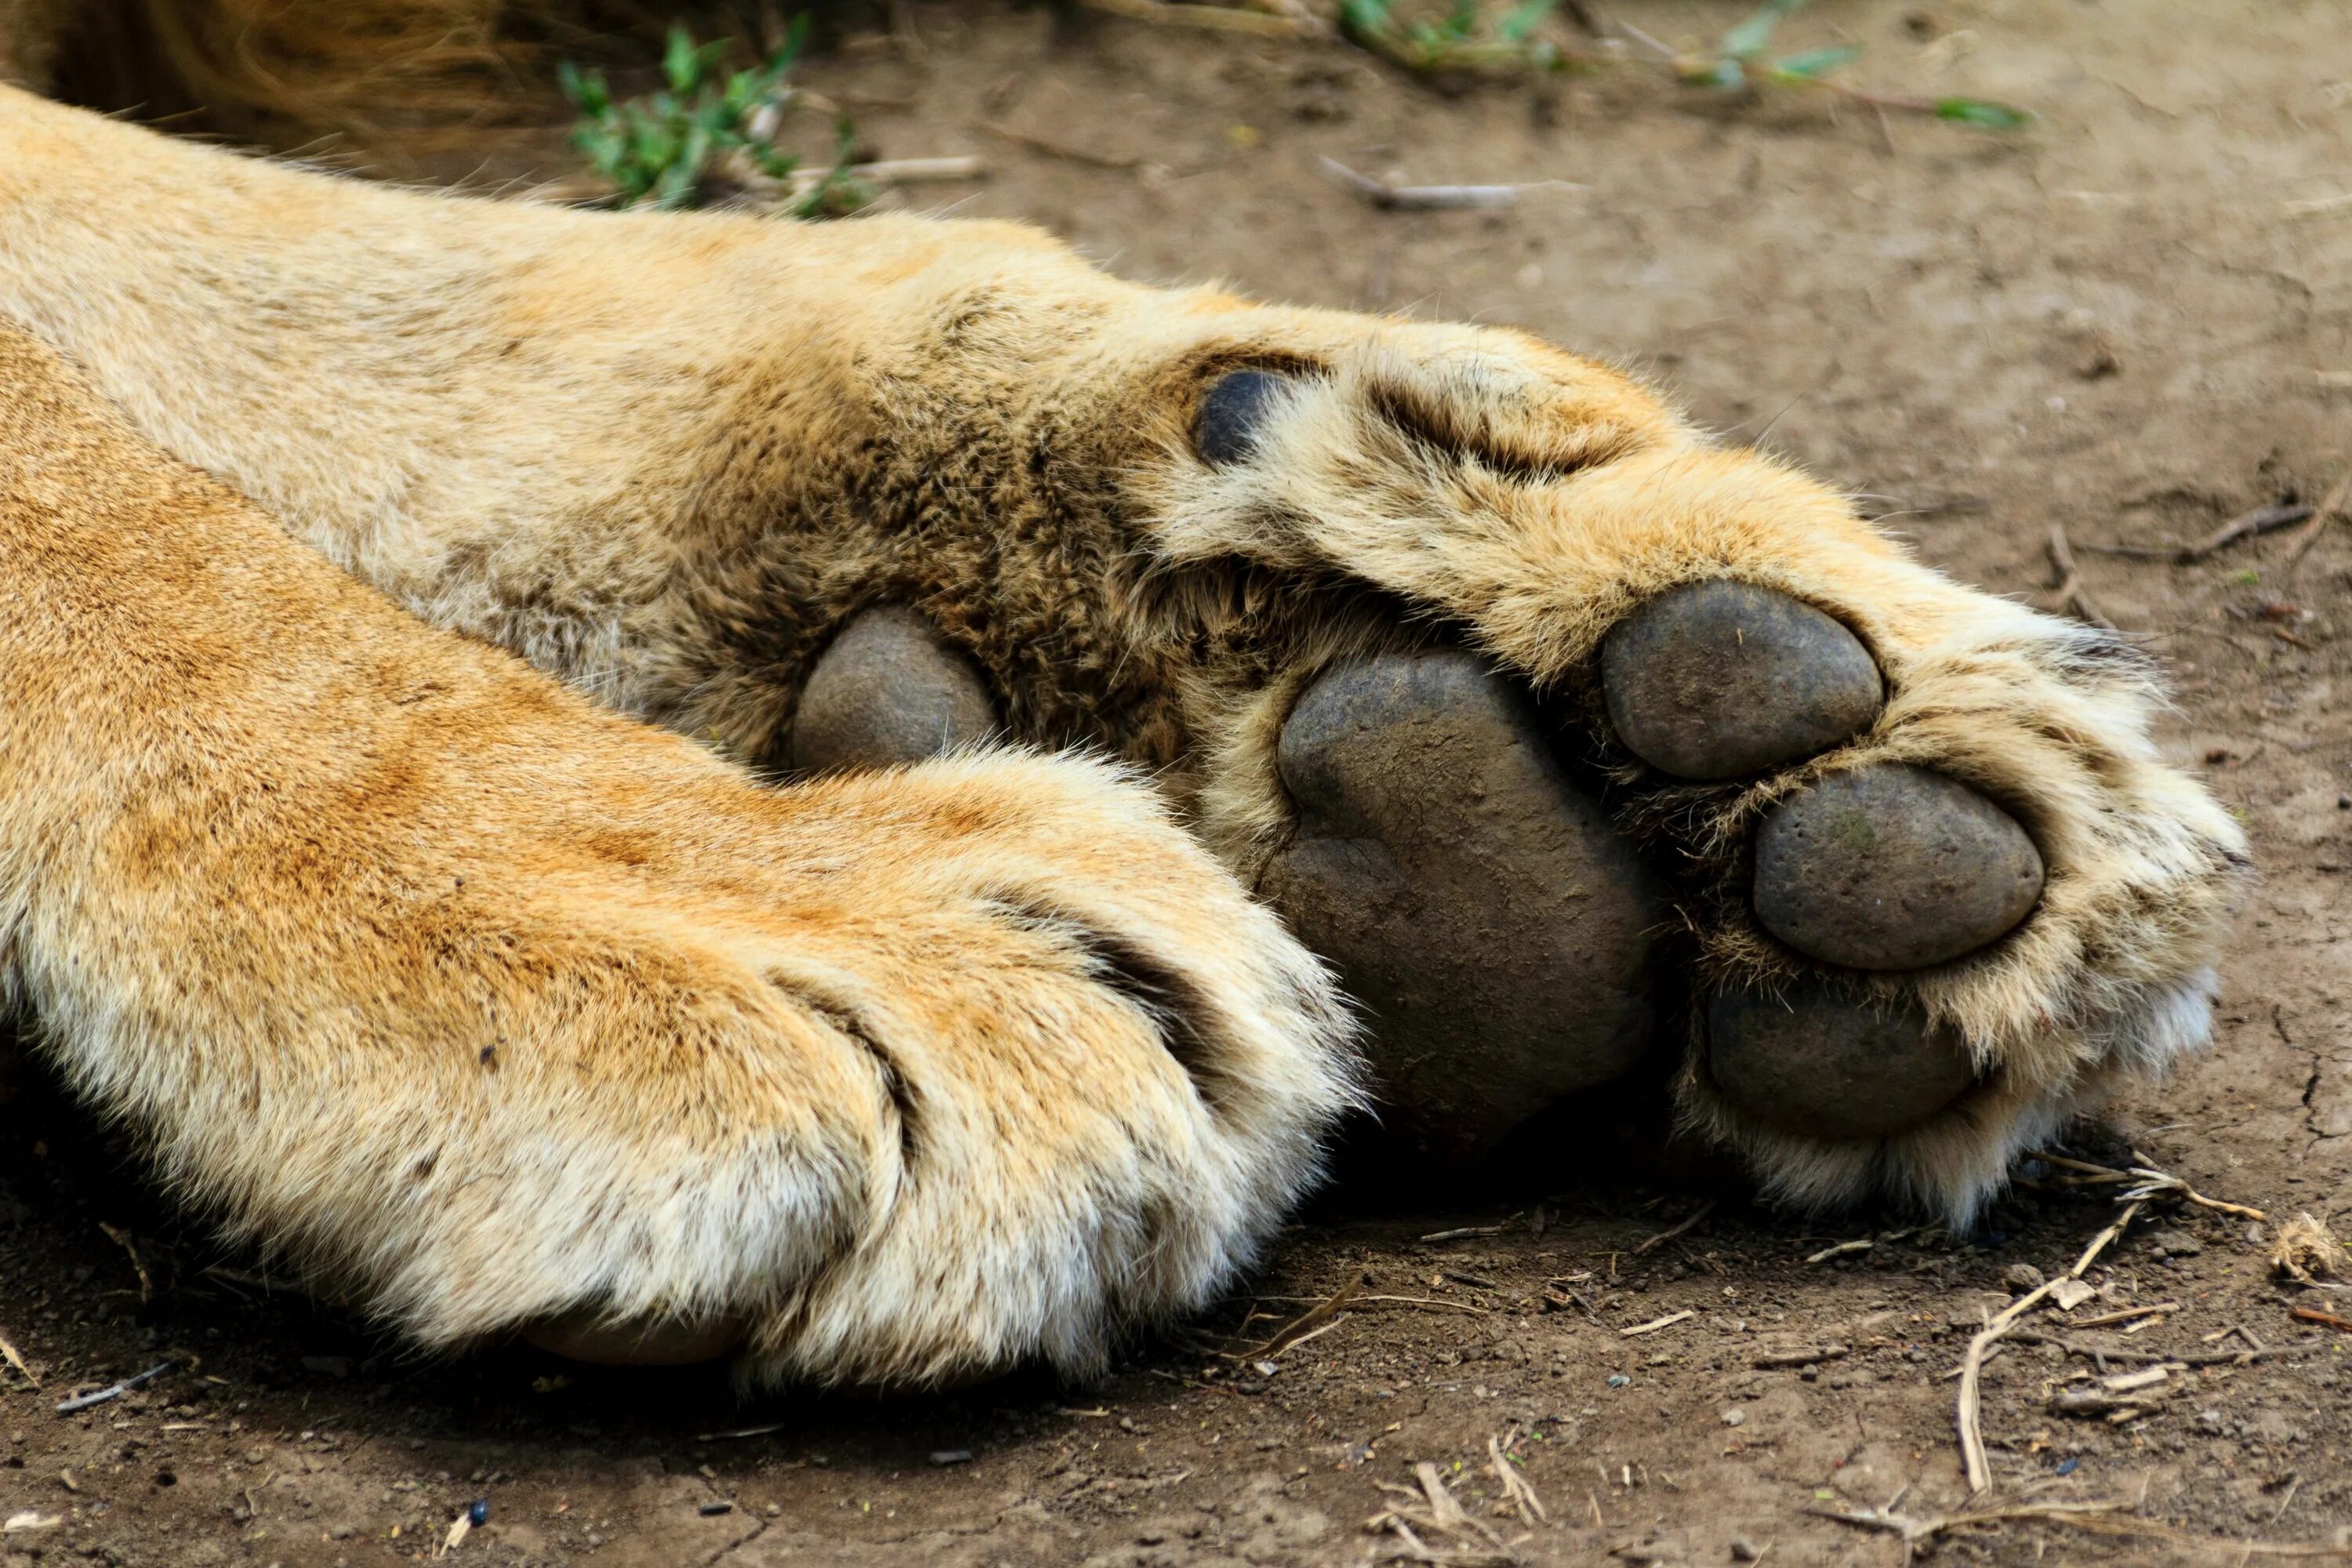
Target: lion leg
{"points": [[1925, 878], [507, 1013]]}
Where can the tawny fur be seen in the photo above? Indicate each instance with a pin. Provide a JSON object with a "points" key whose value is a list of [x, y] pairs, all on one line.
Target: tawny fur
{"points": [[496, 1008], [664, 458]]}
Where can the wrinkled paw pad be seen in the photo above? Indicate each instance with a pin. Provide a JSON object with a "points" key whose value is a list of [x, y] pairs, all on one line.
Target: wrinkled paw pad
{"points": [[1482, 907], [889, 690], [1819, 1066]]}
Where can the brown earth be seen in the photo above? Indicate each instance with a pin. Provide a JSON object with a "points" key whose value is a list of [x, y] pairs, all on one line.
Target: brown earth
{"points": [[2120, 323]]}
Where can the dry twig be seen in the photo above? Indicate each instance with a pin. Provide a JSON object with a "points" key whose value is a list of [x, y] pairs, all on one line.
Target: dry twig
{"points": [[1428, 198], [1970, 1416], [1325, 1314], [114, 1391], [2246, 525], [121, 1238], [2068, 590], [1212, 18], [1697, 1216], [2308, 534]]}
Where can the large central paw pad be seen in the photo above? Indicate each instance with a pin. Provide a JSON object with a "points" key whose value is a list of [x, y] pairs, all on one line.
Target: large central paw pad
{"points": [[1482, 907]]}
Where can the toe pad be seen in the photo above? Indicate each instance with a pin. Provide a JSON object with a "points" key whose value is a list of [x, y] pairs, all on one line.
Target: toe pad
{"points": [[890, 689], [1817, 1065], [1891, 866], [1716, 680]]}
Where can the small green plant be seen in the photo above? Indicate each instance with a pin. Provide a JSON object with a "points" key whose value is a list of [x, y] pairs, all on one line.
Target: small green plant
{"points": [[1464, 37], [665, 147], [1737, 62]]}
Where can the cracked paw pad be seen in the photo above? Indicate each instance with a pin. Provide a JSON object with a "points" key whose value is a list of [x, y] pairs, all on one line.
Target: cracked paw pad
{"points": [[1891, 866], [1815, 1064], [1716, 680]]}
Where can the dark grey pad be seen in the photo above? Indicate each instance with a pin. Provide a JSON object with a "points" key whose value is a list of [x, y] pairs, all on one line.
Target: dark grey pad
{"points": [[1818, 1064], [1891, 866], [1718, 680], [889, 690], [1484, 910]]}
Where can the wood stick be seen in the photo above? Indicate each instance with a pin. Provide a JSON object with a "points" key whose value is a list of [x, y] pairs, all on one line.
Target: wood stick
{"points": [[1684, 1228], [1969, 1416], [2069, 586], [2246, 525], [1424, 198], [2308, 534]]}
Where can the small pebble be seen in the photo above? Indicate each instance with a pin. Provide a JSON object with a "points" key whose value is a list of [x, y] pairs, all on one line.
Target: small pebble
{"points": [[945, 1457], [713, 1510], [1618, 1380], [1735, 1418], [1744, 1549], [2069, 1465], [2021, 1278], [2175, 1244]]}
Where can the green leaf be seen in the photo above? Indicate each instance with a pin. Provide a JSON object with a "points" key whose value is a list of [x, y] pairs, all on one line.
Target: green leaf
{"points": [[1366, 18], [681, 61], [1749, 38], [1815, 63], [1523, 19], [1982, 112]]}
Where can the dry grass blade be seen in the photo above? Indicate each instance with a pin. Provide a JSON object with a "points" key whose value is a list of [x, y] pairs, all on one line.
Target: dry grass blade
{"points": [[1515, 1490], [1698, 1217], [121, 1238], [1210, 18], [2147, 1182], [1323, 1315], [9, 1353]]}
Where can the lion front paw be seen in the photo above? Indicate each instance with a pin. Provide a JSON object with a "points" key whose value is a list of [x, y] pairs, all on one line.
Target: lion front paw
{"points": [[1931, 889]]}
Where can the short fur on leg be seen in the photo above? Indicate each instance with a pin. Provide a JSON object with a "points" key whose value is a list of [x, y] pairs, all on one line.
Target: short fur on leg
{"points": [[493, 1006], [665, 458]]}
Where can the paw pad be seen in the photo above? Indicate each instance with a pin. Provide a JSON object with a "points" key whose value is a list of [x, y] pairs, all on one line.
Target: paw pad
{"points": [[1891, 866], [1817, 1065], [890, 689], [1231, 411], [1483, 907], [1716, 680]]}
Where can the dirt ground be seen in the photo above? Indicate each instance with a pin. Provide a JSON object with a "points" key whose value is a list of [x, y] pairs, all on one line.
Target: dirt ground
{"points": [[2133, 322]]}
